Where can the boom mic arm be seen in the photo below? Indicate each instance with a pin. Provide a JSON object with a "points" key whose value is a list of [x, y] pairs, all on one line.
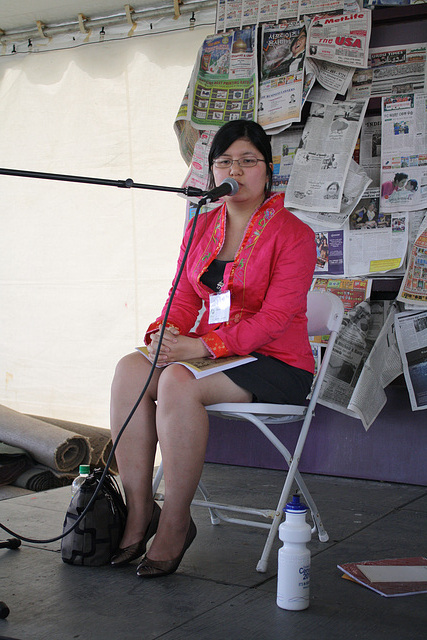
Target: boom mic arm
{"points": [[124, 184]]}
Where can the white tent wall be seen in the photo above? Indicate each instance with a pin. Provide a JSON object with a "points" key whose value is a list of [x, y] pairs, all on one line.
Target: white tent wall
{"points": [[85, 268]]}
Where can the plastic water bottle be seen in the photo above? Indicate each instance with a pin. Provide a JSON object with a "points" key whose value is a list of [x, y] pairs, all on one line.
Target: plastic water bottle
{"points": [[84, 471], [293, 577]]}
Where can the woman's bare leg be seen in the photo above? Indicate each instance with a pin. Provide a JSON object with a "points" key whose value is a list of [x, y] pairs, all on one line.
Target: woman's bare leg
{"points": [[136, 450], [182, 429]]}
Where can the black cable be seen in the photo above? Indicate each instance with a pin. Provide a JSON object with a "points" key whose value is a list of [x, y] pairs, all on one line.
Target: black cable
{"points": [[134, 408]]}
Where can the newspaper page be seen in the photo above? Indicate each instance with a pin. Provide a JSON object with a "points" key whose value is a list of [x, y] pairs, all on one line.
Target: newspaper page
{"points": [[220, 16], [370, 148], [236, 14], [310, 7], [382, 366], [251, 10], [389, 3], [316, 181], [281, 81], [309, 81], [330, 253], [186, 134], [318, 177], [284, 147], [351, 291], [416, 219], [359, 330], [289, 9], [321, 95], [187, 137], [375, 242], [229, 15], [352, 5], [411, 331], [341, 39], [413, 289], [197, 175], [361, 85], [260, 11], [333, 77], [224, 83], [404, 152], [398, 69], [356, 183], [270, 11]]}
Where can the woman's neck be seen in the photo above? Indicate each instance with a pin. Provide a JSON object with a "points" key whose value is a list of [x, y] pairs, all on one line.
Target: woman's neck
{"points": [[242, 211], [238, 217]]}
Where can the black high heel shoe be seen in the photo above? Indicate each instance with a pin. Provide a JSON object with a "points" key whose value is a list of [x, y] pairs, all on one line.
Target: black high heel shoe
{"points": [[136, 550], [158, 568]]}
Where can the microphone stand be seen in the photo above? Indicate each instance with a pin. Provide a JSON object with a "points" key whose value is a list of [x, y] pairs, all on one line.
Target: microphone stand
{"points": [[14, 543], [124, 184]]}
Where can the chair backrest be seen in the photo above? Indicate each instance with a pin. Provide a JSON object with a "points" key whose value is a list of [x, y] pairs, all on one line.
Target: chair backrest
{"points": [[324, 313]]}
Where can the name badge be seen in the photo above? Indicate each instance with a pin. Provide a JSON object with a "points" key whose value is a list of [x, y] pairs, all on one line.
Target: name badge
{"points": [[219, 307]]}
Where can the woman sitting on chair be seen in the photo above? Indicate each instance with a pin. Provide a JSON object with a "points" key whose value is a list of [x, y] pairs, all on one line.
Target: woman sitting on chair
{"points": [[253, 252]]}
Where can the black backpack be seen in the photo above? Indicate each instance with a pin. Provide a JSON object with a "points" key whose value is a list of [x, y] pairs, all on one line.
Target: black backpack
{"points": [[97, 536]]}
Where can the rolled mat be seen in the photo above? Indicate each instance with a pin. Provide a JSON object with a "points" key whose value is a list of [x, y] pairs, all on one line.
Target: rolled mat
{"points": [[100, 440], [41, 478], [48, 444], [13, 462]]}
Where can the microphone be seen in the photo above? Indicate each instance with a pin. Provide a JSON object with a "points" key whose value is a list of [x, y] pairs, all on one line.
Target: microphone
{"points": [[228, 187]]}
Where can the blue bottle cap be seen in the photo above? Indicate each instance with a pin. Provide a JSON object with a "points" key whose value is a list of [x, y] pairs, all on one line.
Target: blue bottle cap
{"points": [[295, 506]]}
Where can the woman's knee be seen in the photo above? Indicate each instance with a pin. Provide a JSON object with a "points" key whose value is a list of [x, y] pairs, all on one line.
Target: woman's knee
{"points": [[175, 382], [129, 372], [125, 366]]}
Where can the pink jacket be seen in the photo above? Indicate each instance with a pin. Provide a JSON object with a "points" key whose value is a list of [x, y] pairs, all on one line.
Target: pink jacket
{"points": [[387, 189], [268, 280]]}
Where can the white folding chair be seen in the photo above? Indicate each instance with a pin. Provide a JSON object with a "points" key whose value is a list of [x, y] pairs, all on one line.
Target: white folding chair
{"points": [[324, 313]]}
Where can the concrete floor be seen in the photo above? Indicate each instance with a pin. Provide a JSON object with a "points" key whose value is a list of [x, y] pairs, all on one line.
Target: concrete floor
{"points": [[217, 592]]}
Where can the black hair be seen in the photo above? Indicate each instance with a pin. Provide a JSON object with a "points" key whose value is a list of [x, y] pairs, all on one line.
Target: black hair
{"points": [[236, 130], [400, 176], [303, 32], [413, 184]]}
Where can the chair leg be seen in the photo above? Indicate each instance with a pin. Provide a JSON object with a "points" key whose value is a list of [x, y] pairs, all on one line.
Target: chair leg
{"points": [[263, 561], [158, 478], [215, 519], [323, 536], [278, 444], [318, 524], [284, 496]]}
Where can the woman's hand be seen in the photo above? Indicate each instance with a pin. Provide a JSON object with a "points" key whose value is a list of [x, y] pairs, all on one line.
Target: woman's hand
{"points": [[169, 337], [175, 347]]}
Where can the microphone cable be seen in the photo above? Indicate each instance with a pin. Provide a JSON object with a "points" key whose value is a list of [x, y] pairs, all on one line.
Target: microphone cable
{"points": [[134, 408]]}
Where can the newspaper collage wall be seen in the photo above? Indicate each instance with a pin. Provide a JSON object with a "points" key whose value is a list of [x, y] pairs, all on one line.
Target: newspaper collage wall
{"points": [[306, 70]]}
